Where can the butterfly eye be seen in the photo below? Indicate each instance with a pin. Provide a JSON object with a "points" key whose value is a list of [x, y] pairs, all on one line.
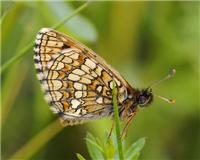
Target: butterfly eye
{"points": [[142, 100]]}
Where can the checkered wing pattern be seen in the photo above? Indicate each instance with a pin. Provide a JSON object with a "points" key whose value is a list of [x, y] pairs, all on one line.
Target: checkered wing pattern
{"points": [[77, 83]]}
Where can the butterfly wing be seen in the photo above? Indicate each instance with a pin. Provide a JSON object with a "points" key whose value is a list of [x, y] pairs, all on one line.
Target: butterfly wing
{"points": [[77, 83]]}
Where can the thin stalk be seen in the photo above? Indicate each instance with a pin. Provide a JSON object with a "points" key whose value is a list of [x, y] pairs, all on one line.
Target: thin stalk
{"points": [[23, 52], [117, 123]]}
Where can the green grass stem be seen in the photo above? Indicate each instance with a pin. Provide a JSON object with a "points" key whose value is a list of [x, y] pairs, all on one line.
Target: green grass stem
{"points": [[117, 122]]}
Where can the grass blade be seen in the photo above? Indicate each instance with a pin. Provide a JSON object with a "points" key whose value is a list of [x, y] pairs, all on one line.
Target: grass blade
{"points": [[117, 123], [94, 149], [80, 157], [134, 150]]}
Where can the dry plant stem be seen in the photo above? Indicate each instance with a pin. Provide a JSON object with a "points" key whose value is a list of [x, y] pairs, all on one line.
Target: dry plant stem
{"points": [[22, 52], [33, 145], [117, 123]]}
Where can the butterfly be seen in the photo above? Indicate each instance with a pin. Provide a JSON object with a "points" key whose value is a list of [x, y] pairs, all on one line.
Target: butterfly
{"points": [[78, 83]]}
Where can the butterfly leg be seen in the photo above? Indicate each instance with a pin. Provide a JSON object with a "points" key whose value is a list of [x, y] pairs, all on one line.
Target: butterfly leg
{"points": [[111, 129], [128, 122]]}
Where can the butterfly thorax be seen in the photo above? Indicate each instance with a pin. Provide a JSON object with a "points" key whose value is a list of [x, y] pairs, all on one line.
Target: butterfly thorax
{"points": [[141, 98]]}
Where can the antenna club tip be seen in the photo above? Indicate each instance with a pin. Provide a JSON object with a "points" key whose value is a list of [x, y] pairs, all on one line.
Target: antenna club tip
{"points": [[172, 101], [173, 72]]}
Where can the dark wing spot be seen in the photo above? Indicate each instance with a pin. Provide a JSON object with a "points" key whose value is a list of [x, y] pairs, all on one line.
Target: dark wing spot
{"points": [[65, 46]]}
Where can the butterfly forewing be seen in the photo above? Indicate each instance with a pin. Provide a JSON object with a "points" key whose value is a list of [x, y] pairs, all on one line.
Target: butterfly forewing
{"points": [[77, 83]]}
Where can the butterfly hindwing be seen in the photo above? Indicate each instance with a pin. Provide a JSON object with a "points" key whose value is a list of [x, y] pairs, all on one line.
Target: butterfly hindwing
{"points": [[77, 82]]}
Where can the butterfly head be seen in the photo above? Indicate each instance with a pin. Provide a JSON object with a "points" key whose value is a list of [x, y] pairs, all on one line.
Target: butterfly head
{"points": [[144, 97]]}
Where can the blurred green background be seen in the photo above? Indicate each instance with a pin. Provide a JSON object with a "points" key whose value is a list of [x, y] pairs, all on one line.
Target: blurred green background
{"points": [[142, 40]]}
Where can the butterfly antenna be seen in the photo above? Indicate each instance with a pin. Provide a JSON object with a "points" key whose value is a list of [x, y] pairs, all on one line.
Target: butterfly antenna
{"points": [[171, 101], [170, 75]]}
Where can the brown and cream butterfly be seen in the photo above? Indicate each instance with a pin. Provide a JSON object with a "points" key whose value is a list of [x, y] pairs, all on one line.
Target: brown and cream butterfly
{"points": [[78, 83]]}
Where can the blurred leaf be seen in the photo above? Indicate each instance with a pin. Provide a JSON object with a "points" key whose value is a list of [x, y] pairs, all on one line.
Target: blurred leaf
{"points": [[38, 141], [109, 149], [9, 95], [136, 156], [133, 152], [94, 149], [80, 157], [79, 25]]}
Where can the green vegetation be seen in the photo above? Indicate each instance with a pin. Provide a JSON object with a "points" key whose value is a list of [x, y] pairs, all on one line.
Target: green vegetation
{"points": [[117, 123], [142, 40], [108, 150]]}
